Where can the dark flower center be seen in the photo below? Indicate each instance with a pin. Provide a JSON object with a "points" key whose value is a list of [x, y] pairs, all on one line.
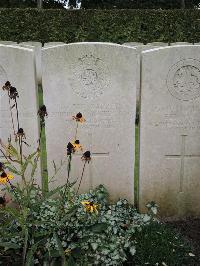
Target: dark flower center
{"points": [[7, 83], [43, 108], [20, 131], [79, 115], [2, 200], [1, 166], [3, 175], [87, 154], [77, 141]]}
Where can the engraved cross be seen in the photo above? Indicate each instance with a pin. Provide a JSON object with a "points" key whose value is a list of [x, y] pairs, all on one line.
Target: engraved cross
{"points": [[182, 157], [94, 153]]}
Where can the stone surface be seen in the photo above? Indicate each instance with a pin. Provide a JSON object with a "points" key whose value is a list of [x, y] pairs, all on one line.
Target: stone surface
{"points": [[158, 43], [8, 42], [17, 66], [133, 44], [50, 44], [180, 43], [97, 80], [37, 46], [170, 130]]}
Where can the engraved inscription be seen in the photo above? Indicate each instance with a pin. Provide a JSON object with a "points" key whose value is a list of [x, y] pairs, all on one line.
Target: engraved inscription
{"points": [[182, 156], [180, 116], [183, 80], [90, 77], [3, 79]]}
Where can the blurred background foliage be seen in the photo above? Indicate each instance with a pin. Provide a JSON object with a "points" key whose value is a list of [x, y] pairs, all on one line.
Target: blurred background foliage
{"points": [[118, 26]]}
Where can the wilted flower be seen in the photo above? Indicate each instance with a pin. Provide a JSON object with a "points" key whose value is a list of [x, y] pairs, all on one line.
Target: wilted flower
{"points": [[1, 167], [77, 146], [86, 156], [13, 94], [21, 133], [42, 112], [6, 86], [74, 146], [79, 118], [90, 206], [4, 200], [70, 148], [5, 177]]}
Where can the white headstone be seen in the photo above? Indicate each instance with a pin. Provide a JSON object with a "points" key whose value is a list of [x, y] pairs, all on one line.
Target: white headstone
{"points": [[50, 44], [133, 44], [37, 46], [97, 80], [17, 66], [170, 130], [180, 43], [8, 42], [158, 43]]}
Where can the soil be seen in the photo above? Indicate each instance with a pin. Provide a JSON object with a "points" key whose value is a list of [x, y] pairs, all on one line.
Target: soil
{"points": [[190, 229]]}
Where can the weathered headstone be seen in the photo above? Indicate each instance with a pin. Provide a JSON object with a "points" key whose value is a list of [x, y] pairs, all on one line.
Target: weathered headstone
{"points": [[50, 44], [180, 43], [17, 66], [133, 44], [97, 80], [158, 43], [37, 46], [8, 42], [170, 130]]}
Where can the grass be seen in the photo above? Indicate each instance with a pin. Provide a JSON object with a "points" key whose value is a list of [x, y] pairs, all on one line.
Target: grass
{"points": [[159, 244], [136, 174], [43, 148]]}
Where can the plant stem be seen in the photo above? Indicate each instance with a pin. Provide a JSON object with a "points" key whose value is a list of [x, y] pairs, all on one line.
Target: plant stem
{"points": [[11, 115], [69, 167], [20, 145], [81, 176], [17, 114], [76, 130]]}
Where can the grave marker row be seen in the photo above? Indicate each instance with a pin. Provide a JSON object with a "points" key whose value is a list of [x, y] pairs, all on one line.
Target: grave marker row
{"points": [[99, 80]]}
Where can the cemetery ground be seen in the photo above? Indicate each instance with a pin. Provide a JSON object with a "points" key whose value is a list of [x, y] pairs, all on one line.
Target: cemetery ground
{"points": [[62, 226]]}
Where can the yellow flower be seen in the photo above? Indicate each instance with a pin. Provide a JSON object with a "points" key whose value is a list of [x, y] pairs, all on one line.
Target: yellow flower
{"points": [[90, 206], [67, 251], [4, 178], [77, 146], [79, 118]]}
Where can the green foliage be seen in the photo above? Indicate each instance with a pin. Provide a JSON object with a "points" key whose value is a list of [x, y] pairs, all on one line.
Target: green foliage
{"points": [[158, 244], [116, 26], [56, 227], [31, 3], [138, 4]]}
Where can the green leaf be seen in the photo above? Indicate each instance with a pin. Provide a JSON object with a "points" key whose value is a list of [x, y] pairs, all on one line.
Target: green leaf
{"points": [[54, 166], [98, 228], [9, 245], [28, 161], [13, 170], [76, 253], [69, 214], [30, 253], [25, 244], [34, 167], [13, 152], [60, 248], [71, 261]]}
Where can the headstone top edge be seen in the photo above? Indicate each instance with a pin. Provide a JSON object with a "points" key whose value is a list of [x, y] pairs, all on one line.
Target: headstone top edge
{"points": [[155, 49], [17, 47], [82, 44]]}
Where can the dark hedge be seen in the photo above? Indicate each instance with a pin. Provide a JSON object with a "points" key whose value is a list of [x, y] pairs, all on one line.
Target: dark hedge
{"points": [[117, 26]]}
